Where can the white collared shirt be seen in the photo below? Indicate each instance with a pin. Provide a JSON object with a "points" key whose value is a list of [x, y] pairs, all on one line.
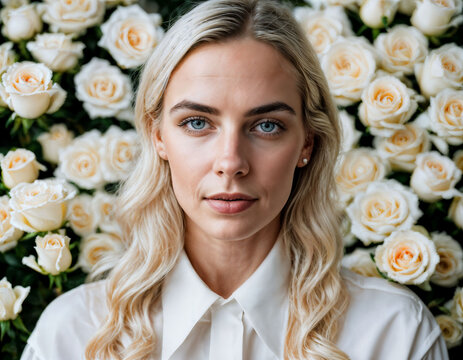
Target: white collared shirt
{"points": [[383, 321]]}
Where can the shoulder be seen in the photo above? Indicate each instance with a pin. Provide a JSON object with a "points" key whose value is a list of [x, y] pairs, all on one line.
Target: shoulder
{"points": [[388, 317], [68, 322]]}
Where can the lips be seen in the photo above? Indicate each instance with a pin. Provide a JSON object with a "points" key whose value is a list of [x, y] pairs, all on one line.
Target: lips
{"points": [[226, 203]]}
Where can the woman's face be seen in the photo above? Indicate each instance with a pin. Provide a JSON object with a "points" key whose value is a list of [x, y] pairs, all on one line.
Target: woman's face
{"points": [[233, 135]]}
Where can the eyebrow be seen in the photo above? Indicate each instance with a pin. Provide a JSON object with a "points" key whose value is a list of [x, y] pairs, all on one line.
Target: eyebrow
{"points": [[263, 109]]}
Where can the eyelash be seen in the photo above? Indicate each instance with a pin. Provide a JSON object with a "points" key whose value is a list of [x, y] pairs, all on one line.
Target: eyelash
{"points": [[185, 122]]}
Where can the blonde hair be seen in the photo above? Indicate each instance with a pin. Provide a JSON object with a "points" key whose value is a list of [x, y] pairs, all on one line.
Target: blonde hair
{"points": [[153, 222]]}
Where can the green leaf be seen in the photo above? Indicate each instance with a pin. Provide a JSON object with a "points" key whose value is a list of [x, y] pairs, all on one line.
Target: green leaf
{"points": [[11, 259], [5, 328], [385, 22], [26, 125], [426, 286], [18, 324]]}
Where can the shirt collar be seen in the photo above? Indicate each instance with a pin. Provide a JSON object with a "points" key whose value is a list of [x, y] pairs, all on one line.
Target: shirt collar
{"points": [[263, 298]]}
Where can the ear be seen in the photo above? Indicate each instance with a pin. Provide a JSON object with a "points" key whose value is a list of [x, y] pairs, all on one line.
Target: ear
{"points": [[306, 151], [159, 144]]}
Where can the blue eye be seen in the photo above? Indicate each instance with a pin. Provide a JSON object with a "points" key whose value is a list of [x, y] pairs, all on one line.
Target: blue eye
{"points": [[267, 126], [197, 124]]}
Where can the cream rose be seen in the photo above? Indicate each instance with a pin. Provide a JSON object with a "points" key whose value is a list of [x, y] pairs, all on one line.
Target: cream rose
{"points": [[445, 116], [104, 207], [29, 91], [9, 235], [104, 90], [407, 7], [118, 153], [54, 142], [407, 257], [323, 27], [56, 51], [386, 105], [434, 177], [11, 299], [457, 305], [72, 16], [83, 220], [434, 17], [7, 56], [95, 248], [20, 23], [20, 166], [360, 262], [350, 135], [458, 159], [372, 12], [80, 162], [442, 68], [356, 169], [450, 268], [402, 147], [53, 254], [456, 211], [40, 206], [452, 330], [401, 48], [349, 66], [386, 206], [130, 35]]}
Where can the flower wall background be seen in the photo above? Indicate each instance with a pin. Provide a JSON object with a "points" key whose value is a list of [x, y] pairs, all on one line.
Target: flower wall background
{"points": [[68, 76]]}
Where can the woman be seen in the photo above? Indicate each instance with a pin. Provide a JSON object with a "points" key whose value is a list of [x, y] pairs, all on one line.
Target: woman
{"points": [[233, 248]]}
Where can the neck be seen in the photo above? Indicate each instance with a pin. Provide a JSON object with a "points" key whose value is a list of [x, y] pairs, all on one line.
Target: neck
{"points": [[226, 264]]}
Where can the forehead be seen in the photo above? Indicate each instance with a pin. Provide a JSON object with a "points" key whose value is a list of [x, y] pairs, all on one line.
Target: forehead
{"points": [[240, 70]]}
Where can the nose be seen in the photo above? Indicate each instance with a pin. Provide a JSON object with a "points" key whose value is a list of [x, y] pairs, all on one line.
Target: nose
{"points": [[231, 155]]}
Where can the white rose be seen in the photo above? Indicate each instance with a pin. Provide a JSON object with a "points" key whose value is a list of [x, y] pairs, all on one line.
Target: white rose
{"points": [[456, 211], [53, 254], [11, 299], [72, 16], [350, 135], [372, 12], [9, 235], [7, 56], [434, 177], [104, 90], [401, 48], [104, 207], [118, 153], [445, 116], [407, 7], [386, 105], [80, 162], [402, 147], [356, 169], [323, 27], [407, 257], [360, 262], [450, 267], [57, 51], [40, 206], [458, 159], [54, 142], [96, 247], [349, 65], [21, 23], [457, 305], [83, 220], [14, 3], [434, 17], [442, 68], [20, 166], [386, 206], [130, 35], [29, 91], [452, 330]]}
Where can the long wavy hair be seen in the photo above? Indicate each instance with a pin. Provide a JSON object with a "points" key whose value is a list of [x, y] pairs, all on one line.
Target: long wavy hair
{"points": [[153, 222]]}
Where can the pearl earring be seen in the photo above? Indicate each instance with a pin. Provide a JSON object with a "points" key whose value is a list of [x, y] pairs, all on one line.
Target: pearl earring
{"points": [[305, 161]]}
